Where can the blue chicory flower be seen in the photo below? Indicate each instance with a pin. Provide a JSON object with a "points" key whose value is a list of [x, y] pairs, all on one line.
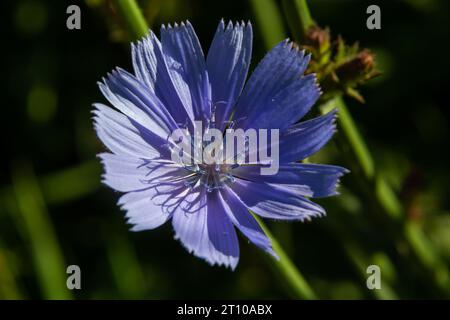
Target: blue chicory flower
{"points": [[173, 86]]}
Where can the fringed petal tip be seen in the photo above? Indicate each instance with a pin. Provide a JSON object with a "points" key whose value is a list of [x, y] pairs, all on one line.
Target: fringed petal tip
{"points": [[225, 261], [148, 37], [227, 26], [293, 47], [176, 26]]}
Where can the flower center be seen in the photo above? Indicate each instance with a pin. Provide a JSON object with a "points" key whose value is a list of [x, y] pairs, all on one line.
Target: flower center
{"points": [[214, 175], [211, 176]]}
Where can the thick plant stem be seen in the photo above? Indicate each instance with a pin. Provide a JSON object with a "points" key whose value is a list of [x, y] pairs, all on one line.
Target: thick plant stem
{"points": [[288, 271], [133, 18], [272, 29], [362, 160], [286, 268], [298, 16]]}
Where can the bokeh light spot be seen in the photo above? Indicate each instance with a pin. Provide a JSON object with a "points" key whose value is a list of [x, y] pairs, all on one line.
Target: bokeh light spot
{"points": [[41, 103], [30, 17]]}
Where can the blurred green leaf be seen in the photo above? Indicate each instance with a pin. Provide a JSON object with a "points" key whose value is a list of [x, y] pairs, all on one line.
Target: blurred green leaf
{"points": [[40, 236]]}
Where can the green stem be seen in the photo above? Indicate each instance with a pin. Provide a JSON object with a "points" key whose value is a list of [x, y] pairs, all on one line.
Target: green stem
{"points": [[362, 160], [298, 16], [33, 220], [9, 289], [359, 257], [270, 21], [122, 259], [286, 268], [354, 138], [361, 262], [133, 18]]}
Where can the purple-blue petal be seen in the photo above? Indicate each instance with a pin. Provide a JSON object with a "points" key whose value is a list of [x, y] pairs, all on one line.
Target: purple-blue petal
{"points": [[186, 62], [287, 106], [244, 221], [132, 98], [141, 210], [310, 180], [228, 62], [123, 136], [207, 232], [279, 69], [151, 68], [306, 138], [275, 201], [124, 173]]}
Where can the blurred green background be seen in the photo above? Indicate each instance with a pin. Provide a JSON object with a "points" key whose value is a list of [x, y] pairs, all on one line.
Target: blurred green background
{"points": [[54, 212]]}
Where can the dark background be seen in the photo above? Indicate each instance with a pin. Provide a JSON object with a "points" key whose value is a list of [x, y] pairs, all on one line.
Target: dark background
{"points": [[51, 199]]}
